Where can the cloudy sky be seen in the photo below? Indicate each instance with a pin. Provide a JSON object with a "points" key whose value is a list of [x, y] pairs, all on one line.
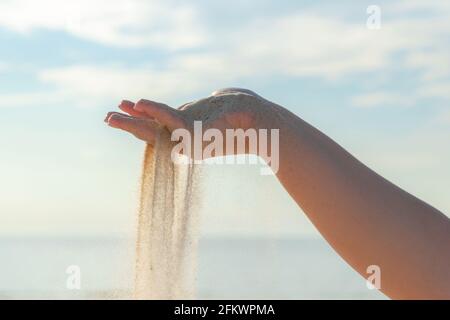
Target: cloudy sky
{"points": [[383, 94]]}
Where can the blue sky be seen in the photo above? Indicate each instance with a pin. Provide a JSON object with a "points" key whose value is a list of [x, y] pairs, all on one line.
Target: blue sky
{"points": [[383, 94]]}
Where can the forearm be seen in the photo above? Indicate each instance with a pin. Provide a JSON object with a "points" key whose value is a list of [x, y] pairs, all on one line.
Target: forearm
{"points": [[365, 218]]}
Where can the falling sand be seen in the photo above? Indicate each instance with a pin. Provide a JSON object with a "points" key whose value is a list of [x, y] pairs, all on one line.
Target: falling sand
{"points": [[166, 241]]}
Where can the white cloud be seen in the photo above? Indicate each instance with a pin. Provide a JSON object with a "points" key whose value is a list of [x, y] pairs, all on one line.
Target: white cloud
{"points": [[434, 6], [435, 64], [119, 23], [428, 23], [94, 85], [307, 44], [31, 99], [439, 90], [375, 99], [436, 90], [90, 85], [433, 87], [285, 46]]}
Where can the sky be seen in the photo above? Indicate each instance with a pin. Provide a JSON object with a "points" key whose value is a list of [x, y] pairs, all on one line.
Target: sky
{"points": [[383, 94]]}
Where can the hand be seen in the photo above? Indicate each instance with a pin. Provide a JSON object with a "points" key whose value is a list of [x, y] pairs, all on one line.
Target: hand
{"points": [[230, 108]]}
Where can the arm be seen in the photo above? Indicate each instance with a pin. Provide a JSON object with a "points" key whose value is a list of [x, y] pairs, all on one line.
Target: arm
{"points": [[364, 217]]}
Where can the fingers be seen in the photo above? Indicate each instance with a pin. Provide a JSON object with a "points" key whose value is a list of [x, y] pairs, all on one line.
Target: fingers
{"points": [[141, 128], [167, 116], [128, 107]]}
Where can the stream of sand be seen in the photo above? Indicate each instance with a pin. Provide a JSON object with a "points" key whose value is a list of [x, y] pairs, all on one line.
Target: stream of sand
{"points": [[166, 247]]}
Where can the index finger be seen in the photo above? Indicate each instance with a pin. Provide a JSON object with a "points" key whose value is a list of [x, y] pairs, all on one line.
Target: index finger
{"points": [[165, 115]]}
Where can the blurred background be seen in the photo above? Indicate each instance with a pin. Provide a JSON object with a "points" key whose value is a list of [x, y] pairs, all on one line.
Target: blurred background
{"points": [[68, 183]]}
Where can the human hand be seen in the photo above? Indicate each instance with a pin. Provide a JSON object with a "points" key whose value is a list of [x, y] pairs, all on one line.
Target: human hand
{"points": [[230, 108]]}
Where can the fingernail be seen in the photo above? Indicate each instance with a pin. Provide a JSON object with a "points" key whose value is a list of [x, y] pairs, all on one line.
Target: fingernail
{"points": [[108, 116], [112, 117]]}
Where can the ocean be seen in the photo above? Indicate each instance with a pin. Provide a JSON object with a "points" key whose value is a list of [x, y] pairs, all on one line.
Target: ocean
{"points": [[228, 268]]}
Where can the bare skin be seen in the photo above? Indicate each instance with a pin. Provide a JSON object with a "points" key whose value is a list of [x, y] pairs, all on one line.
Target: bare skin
{"points": [[365, 218]]}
